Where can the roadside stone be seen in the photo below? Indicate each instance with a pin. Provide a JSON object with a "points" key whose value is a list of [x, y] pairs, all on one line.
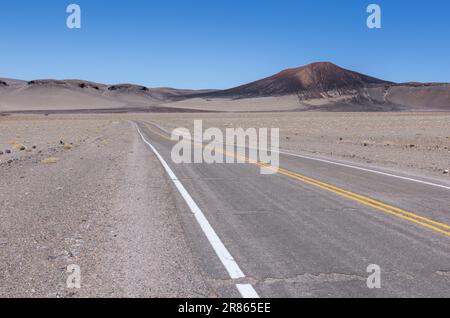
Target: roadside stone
{"points": [[20, 147]]}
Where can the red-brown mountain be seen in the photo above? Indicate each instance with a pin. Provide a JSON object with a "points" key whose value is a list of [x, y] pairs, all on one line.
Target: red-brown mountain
{"points": [[310, 81]]}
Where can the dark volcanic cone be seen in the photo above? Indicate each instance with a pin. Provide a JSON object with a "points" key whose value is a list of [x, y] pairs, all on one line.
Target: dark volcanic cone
{"points": [[310, 81]]}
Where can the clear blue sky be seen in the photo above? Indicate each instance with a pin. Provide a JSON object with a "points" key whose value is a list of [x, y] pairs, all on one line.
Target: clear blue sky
{"points": [[221, 43]]}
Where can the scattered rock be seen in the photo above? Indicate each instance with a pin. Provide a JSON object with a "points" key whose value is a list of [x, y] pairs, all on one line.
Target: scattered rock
{"points": [[20, 147], [446, 171], [7, 151], [34, 147], [1, 153], [67, 146]]}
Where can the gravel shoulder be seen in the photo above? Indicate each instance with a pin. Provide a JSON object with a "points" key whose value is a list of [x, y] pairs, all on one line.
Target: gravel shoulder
{"points": [[104, 204]]}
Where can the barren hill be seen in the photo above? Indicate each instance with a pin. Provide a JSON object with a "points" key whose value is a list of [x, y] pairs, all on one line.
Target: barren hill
{"points": [[327, 87], [311, 81], [320, 86], [49, 94]]}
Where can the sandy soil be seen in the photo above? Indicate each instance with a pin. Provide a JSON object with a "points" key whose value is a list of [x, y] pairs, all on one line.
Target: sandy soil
{"points": [[262, 104]]}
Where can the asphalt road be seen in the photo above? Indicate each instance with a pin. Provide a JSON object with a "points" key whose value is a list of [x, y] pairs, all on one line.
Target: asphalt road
{"points": [[313, 229]]}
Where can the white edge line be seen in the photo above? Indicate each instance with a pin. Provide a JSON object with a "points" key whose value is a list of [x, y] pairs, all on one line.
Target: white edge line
{"points": [[365, 169], [247, 290]]}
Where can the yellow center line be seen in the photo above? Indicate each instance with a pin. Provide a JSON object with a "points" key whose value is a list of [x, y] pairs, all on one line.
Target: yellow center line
{"points": [[386, 208]]}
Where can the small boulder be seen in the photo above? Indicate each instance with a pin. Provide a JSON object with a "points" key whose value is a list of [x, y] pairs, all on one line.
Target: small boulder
{"points": [[20, 147]]}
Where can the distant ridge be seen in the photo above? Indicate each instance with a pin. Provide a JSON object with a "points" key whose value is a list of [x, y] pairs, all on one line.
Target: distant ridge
{"points": [[321, 86]]}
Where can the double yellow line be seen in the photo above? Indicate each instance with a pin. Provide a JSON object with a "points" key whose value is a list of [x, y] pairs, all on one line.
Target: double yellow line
{"points": [[389, 209], [380, 206]]}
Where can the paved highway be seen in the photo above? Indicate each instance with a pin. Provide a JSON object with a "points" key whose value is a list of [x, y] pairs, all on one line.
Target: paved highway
{"points": [[312, 229]]}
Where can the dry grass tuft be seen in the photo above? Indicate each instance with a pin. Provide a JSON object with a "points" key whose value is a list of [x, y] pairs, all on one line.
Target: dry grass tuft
{"points": [[50, 160], [68, 146]]}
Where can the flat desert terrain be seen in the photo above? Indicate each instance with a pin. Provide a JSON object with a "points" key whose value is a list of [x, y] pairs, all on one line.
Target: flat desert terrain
{"points": [[83, 189], [414, 142]]}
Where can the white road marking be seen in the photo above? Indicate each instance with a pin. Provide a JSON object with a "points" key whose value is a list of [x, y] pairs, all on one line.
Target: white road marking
{"points": [[222, 252], [365, 169], [247, 289]]}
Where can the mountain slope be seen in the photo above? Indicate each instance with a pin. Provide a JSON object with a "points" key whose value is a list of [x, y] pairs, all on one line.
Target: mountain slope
{"points": [[311, 81], [319, 86], [49, 94]]}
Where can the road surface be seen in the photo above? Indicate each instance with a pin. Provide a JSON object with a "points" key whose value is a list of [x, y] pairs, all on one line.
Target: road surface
{"points": [[311, 230]]}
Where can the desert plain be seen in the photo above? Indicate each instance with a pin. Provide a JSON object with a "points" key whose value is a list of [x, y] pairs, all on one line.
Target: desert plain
{"points": [[81, 189]]}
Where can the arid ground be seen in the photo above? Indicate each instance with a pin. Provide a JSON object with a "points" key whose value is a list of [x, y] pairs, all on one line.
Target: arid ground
{"points": [[82, 189], [414, 142]]}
